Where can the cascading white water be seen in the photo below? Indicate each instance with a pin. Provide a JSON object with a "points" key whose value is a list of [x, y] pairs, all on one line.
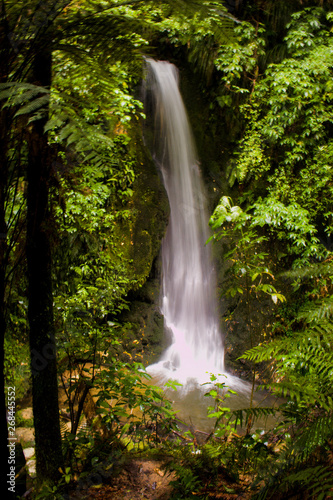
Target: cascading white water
{"points": [[188, 282]]}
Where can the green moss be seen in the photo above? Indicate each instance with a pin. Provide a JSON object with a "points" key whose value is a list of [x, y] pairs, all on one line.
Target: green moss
{"points": [[21, 421], [138, 234]]}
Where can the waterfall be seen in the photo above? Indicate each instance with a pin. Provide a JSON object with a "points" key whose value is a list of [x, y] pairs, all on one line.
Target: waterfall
{"points": [[188, 289]]}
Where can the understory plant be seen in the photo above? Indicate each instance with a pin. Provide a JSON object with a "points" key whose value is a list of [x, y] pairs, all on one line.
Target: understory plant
{"points": [[295, 456], [248, 280], [106, 397], [299, 450], [302, 373], [204, 463], [248, 267]]}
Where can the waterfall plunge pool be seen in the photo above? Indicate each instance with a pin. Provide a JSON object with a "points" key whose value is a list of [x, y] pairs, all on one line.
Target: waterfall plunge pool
{"points": [[191, 404]]}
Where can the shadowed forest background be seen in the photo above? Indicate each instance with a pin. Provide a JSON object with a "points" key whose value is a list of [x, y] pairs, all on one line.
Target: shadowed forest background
{"points": [[83, 211]]}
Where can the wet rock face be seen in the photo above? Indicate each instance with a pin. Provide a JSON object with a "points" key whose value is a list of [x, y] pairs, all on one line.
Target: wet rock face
{"points": [[138, 234], [143, 324], [142, 236], [152, 212]]}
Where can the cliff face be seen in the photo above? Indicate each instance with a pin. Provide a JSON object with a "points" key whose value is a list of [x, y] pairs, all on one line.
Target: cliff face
{"points": [[140, 238]]}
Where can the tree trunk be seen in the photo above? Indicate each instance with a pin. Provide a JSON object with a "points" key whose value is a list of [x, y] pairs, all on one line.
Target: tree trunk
{"points": [[4, 137], [3, 253], [40, 311]]}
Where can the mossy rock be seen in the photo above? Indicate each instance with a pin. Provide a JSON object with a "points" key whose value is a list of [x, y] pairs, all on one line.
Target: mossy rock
{"points": [[143, 331], [139, 235], [139, 239]]}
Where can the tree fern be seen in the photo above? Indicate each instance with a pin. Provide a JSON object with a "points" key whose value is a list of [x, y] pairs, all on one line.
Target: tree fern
{"points": [[19, 93]]}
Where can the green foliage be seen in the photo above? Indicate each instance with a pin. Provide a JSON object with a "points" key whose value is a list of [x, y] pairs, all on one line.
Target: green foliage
{"points": [[124, 396], [91, 272], [217, 463], [303, 367], [20, 421], [199, 469], [302, 362], [249, 271], [201, 33], [284, 153], [28, 99], [219, 411], [291, 224], [238, 62], [125, 409], [281, 171], [16, 370]]}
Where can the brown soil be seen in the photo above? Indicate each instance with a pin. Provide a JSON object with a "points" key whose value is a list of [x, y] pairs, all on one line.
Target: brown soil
{"points": [[144, 479], [138, 479]]}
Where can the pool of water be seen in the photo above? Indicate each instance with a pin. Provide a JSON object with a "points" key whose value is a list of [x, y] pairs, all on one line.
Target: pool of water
{"points": [[191, 404]]}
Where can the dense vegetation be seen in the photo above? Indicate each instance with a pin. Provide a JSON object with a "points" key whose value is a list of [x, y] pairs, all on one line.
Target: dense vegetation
{"points": [[82, 214]]}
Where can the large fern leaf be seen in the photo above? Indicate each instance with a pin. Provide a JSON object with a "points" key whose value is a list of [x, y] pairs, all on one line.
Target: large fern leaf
{"points": [[25, 99], [303, 364]]}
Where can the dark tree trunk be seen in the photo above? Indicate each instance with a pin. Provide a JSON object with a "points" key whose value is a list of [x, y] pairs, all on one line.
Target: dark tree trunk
{"points": [[3, 253], [4, 138], [40, 311]]}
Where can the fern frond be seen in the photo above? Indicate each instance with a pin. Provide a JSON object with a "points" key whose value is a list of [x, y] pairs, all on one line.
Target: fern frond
{"points": [[244, 415], [25, 99], [318, 270], [316, 340], [317, 480], [317, 311], [304, 364], [316, 433], [296, 391], [33, 106], [72, 131], [16, 93]]}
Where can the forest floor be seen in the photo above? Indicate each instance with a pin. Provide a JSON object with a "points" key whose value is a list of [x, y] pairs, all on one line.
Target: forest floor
{"points": [[138, 479], [144, 479]]}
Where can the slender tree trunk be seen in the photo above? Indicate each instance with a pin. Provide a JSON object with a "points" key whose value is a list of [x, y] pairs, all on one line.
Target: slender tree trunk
{"points": [[3, 253], [40, 311], [4, 138]]}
